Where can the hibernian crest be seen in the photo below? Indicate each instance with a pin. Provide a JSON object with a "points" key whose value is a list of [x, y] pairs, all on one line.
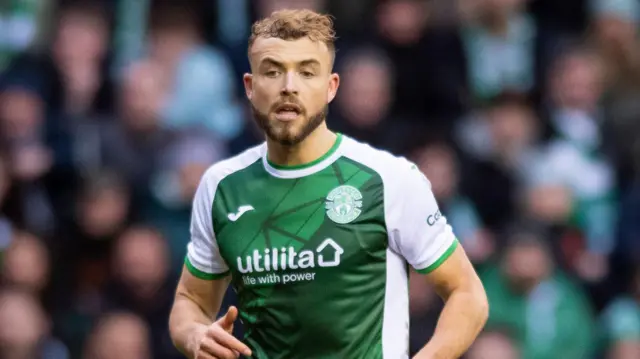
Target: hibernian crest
{"points": [[344, 204]]}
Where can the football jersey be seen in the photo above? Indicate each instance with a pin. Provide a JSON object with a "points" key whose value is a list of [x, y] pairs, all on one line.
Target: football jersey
{"points": [[319, 253]]}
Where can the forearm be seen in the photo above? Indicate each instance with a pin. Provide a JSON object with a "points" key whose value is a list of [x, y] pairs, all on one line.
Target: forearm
{"points": [[185, 321], [461, 320]]}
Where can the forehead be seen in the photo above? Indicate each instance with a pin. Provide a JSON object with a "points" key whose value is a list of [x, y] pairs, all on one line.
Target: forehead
{"points": [[289, 52]]}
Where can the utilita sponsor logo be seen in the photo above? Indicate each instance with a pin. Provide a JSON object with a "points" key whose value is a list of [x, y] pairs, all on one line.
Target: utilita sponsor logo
{"points": [[270, 261]]}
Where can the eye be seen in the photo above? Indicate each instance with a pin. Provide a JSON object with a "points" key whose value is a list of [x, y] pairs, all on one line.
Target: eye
{"points": [[272, 73], [307, 74]]}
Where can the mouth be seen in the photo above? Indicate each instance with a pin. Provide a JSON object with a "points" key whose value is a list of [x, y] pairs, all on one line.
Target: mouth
{"points": [[287, 112]]}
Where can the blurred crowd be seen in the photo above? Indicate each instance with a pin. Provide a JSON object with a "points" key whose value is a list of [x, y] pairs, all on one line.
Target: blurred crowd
{"points": [[524, 114]]}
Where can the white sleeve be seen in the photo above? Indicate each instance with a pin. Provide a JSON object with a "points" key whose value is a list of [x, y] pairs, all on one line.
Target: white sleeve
{"points": [[419, 231], [203, 257]]}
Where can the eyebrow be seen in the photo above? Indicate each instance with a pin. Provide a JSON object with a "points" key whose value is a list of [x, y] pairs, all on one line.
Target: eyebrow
{"points": [[272, 61]]}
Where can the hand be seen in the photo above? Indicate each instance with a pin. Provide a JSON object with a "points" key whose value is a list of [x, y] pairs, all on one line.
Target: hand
{"points": [[217, 342]]}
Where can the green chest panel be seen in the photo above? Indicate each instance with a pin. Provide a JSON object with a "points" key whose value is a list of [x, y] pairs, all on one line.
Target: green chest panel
{"points": [[303, 252]]}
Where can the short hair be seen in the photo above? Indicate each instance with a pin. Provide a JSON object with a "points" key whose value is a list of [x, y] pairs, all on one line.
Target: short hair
{"points": [[294, 25], [85, 9], [171, 17]]}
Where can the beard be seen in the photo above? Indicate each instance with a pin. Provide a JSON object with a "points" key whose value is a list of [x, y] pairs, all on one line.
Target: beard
{"points": [[289, 133]]}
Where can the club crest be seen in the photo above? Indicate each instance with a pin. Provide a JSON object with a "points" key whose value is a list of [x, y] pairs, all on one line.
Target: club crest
{"points": [[343, 204]]}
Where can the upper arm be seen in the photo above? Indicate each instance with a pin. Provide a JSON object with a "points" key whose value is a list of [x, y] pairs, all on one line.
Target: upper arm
{"points": [[456, 273], [205, 274], [422, 235]]}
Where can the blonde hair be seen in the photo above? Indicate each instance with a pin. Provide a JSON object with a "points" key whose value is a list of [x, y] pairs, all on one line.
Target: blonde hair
{"points": [[294, 25]]}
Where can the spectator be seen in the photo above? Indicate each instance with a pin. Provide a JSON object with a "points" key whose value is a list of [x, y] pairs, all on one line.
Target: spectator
{"points": [[132, 143], [26, 264], [173, 188], [548, 315], [202, 92], [29, 160], [614, 32], [575, 148], [24, 330], [497, 142], [364, 108], [79, 55], [400, 27], [118, 336], [500, 44], [615, 38], [83, 259], [69, 80], [143, 284], [621, 323]]}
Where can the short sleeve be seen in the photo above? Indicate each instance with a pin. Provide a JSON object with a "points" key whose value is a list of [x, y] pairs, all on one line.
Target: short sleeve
{"points": [[419, 232], [203, 256]]}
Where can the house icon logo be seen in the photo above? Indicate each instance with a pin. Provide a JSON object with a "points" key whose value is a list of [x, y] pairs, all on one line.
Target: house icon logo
{"points": [[337, 252]]}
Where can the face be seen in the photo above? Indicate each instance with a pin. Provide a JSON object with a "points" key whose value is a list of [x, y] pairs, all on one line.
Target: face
{"points": [[141, 261], [578, 83], [119, 337], [402, 21], [104, 212], [526, 265], [80, 38], [438, 164], [512, 127], [20, 114], [366, 92], [21, 323], [26, 263], [290, 87], [143, 94]]}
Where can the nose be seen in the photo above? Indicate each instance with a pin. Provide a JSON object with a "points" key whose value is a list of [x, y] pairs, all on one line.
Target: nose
{"points": [[290, 86]]}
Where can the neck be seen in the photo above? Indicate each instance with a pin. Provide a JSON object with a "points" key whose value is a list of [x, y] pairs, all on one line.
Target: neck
{"points": [[311, 148]]}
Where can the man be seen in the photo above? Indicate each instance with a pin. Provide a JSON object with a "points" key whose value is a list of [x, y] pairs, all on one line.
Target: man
{"points": [[315, 230]]}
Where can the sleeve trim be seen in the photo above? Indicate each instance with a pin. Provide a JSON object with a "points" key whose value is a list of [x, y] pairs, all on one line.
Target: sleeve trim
{"points": [[440, 260], [203, 275]]}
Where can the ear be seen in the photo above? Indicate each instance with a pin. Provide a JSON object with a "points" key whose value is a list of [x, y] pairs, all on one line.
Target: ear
{"points": [[248, 85], [334, 83]]}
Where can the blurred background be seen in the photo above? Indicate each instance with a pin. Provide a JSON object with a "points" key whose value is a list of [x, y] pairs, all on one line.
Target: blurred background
{"points": [[525, 115]]}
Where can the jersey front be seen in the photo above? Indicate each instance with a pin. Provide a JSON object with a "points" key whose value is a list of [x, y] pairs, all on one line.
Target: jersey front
{"points": [[318, 254]]}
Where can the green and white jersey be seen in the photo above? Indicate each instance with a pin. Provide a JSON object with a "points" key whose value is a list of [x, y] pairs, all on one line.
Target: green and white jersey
{"points": [[319, 253]]}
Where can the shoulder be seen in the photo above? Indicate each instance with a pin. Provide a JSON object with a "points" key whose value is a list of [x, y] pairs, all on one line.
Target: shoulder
{"points": [[385, 163], [222, 169]]}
